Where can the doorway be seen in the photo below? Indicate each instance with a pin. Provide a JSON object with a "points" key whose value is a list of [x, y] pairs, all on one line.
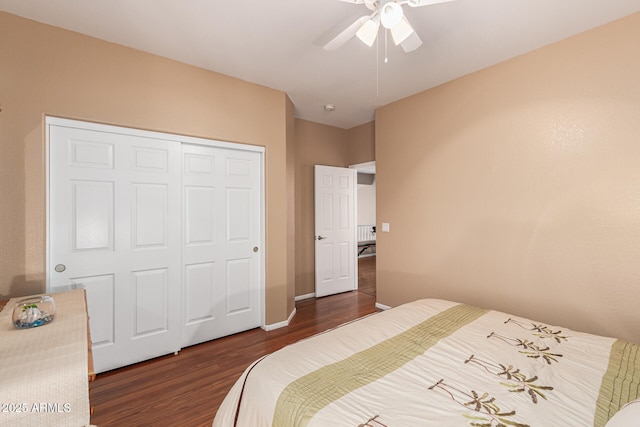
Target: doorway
{"points": [[366, 219]]}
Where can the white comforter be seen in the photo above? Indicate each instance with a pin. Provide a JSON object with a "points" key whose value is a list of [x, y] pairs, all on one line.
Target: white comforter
{"points": [[437, 363]]}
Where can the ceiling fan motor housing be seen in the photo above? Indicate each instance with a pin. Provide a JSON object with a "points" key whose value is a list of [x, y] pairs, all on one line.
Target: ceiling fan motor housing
{"points": [[390, 14]]}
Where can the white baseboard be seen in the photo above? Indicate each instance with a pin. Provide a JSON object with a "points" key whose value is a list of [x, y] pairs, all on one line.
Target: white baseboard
{"points": [[382, 306], [280, 324], [305, 296]]}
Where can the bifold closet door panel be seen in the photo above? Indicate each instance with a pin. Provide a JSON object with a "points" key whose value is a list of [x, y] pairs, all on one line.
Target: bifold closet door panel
{"points": [[115, 224], [221, 247]]}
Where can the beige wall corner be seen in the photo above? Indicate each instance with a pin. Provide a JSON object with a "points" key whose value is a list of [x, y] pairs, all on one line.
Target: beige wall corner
{"points": [[362, 144], [316, 144], [47, 70], [516, 187], [291, 207]]}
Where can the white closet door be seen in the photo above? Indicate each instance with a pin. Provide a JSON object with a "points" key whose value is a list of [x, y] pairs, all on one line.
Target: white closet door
{"points": [[221, 242], [115, 231]]}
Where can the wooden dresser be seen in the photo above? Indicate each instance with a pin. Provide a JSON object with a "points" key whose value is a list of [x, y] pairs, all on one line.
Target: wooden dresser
{"points": [[46, 370]]}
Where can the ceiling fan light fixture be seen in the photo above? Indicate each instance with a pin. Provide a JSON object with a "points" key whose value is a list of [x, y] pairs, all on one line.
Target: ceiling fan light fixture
{"points": [[401, 31], [391, 15], [369, 31]]}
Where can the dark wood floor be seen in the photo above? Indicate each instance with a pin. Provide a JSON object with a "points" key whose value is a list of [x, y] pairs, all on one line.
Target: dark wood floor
{"points": [[186, 390], [367, 275]]}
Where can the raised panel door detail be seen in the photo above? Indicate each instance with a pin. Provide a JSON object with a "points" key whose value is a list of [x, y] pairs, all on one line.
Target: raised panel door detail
{"points": [[92, 215], [343, 182], [238, 214], [345, 213], [150, 160], [326, 256], [238, 167], [199, 164], [199, 215], [149, 222], [90, 154], [327, 181], [100, 292], [149, 290], [345, 259], [326, 212], [238, 285], [199, 292]]}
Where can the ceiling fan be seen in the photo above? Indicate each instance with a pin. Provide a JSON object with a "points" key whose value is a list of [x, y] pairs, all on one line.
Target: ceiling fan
{"points": [[390, 14]]}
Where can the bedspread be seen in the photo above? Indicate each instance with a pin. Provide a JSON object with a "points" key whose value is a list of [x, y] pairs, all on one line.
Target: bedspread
{"points": [[438, 363]]}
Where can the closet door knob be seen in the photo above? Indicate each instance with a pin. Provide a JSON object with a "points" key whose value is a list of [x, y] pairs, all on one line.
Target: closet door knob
{"points": [[60, 268], [321, 237], [255, 249]]}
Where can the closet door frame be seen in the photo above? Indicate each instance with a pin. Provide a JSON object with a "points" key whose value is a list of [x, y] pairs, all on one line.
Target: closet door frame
{"points": [[178, 139]]}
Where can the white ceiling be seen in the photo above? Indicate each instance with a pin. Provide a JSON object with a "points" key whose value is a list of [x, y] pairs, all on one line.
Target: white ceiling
{"points": [[278, 43]]}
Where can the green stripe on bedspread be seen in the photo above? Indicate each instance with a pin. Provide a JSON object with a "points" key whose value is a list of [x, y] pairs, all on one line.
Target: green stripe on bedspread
{"points": [[621, 382], [303, 398]]}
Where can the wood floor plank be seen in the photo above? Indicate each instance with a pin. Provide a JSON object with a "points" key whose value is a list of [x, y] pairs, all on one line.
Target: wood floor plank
{"points": [[367, 275], [187, 389]]}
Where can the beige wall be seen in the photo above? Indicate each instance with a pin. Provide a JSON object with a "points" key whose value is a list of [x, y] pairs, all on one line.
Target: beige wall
{"points": [[361, 144], [518, 187], [316, 144], [46, 70]]}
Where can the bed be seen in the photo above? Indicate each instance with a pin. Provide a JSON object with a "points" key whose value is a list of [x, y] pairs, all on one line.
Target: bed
{"points": [[439, 363]]}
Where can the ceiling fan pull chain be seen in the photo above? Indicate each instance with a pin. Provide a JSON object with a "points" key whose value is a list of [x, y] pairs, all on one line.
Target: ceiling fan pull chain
{"points": [[386, 58], [377, 68]]}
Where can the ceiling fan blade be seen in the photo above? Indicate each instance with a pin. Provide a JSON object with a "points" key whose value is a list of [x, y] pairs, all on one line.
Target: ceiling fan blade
{"points": [[371, 4], [346, 34], [419, 3], [411, 43]]}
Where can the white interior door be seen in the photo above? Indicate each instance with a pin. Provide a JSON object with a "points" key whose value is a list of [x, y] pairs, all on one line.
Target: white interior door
{"points": [[221, 244], [335, 230], [115, 231]]}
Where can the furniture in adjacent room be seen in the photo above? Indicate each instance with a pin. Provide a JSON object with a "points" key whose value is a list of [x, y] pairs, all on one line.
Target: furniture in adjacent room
{"points": [[366, 240]]}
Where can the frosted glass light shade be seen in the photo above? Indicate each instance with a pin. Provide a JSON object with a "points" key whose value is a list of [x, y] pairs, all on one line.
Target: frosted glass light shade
{"points": [[368, 32], [401, 31]]}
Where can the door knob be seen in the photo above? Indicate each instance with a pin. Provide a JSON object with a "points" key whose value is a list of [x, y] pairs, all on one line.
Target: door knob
{"points": [[321, 237], [60, 268], [255, 249]]}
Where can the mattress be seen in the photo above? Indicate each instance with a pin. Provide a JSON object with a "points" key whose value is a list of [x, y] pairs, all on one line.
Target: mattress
{"points": [[438, 363]]}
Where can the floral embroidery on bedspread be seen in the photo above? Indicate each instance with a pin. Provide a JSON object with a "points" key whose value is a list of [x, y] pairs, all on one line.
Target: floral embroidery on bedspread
{"points": [[375, 421], [486, 412], [485, 409], [517, 381], [541, 331]]}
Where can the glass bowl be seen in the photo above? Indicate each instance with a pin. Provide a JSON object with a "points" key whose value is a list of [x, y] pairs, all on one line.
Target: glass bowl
{"points": [[34, 311]]}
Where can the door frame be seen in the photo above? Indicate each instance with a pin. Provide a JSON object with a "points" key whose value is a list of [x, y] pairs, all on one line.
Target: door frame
{"points": [[368, 167], [175, 138]]}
